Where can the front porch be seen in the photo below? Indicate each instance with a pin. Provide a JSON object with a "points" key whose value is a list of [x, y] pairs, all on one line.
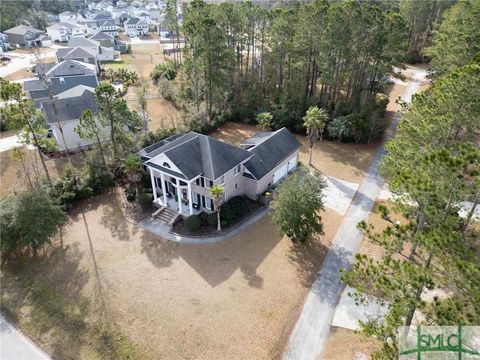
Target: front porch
{"points": [[175, 194]]}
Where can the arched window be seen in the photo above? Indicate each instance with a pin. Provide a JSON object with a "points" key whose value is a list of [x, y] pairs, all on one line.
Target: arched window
{"points": [[167, 165]]}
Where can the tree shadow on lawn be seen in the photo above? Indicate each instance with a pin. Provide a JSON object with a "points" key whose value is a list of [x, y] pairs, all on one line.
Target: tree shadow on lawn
{"points": [[113, 217], [44, 295], [216, 263], [307, 258], [46, 291]]}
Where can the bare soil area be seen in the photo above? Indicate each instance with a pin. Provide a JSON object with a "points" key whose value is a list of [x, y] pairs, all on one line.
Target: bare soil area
{"points": [[237, 299]]}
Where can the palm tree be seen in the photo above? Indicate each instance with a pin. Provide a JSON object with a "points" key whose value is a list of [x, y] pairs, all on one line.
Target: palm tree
{"points": [[264, 121], [314, 121], [217, 193], [133, 170]]}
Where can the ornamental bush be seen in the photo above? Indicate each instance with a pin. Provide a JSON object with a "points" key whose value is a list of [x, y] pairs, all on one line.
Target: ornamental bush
{"points": [[145, 200], [193, 223], [212, 219]]}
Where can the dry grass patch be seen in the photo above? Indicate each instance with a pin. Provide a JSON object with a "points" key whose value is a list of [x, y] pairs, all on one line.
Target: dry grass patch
{"points": [[236, 299], [11, 175], [348, 162], [20, 74], [379, 224], [347, 345], [143, 59]]}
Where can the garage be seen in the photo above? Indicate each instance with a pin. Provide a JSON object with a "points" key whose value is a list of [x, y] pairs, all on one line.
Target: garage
{"points": [[280, 173], [292, 164]]}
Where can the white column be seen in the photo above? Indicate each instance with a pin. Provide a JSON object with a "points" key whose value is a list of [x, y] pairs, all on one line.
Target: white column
{"points": [[154, 187], [162, 179], [179, 195], [189, 195]]}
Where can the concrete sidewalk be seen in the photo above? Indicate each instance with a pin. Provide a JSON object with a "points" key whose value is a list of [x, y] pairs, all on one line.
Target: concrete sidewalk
{"points": [[311, 332], [16, 346]]}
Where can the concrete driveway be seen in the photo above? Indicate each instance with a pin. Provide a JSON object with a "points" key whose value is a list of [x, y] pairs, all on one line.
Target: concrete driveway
{"points": [[16, 346], [307, 341]]}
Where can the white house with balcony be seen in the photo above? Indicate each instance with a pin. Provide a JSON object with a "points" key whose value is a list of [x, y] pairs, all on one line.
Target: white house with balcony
{"points": [[135, 27], [62, 32], [184, 167]]}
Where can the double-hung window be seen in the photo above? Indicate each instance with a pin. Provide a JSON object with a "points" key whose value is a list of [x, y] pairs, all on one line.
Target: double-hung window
{"points": [[237, 169]]}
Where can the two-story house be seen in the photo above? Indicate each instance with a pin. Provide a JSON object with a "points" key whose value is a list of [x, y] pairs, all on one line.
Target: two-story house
{"points": [[109, 41], [62, 32], [62, 113], [27, 36], [135, 27], [68, 17], [4, 43], [108, 26], [184, 167], [98, 53]]}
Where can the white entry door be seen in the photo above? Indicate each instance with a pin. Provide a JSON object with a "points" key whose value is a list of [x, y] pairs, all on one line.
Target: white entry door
{"points": [[280, 173]]}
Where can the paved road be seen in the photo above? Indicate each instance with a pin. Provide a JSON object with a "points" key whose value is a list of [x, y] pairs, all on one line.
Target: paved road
{"points": [[310, 334], [23, 61], [16, 346], [9, 142]]}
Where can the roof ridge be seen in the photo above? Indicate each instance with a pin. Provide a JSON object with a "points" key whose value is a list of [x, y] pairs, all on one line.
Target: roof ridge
{"points": [[266, 138], [210, 154]]}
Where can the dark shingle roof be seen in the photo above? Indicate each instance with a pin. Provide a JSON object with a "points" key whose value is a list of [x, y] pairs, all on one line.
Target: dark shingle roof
{"points": [[101, 36], [22, 30], [69, 68], [34, 85], [69, 108], [270, 152], [42, 69], [81, 41], [195, 154], [133, 21]]}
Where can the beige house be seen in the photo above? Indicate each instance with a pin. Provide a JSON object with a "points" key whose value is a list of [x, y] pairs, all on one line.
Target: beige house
{"points": [[183, 167]]}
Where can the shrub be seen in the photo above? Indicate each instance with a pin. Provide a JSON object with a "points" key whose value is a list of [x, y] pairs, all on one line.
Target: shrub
{"points": [[130, 194], [167, 90], [239, 205], [193, 223], [227, 212], [212, 219], [164, 71], [145, 200], [203, 217]]}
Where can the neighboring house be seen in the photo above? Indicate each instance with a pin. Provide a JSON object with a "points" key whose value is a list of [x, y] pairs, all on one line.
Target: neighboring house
{"points": [[106, 40], [70, 73], [142, 15], [59, 77], [83, 54], [98, 52], [135, 27], [63, 31], [108, 26], [24, 36], [121, 4], [4, 43], [184, 167], [68, 17], [63, 112]]}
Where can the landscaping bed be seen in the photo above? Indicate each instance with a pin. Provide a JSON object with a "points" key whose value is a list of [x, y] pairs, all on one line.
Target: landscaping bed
{"points": [[232, 213]]}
